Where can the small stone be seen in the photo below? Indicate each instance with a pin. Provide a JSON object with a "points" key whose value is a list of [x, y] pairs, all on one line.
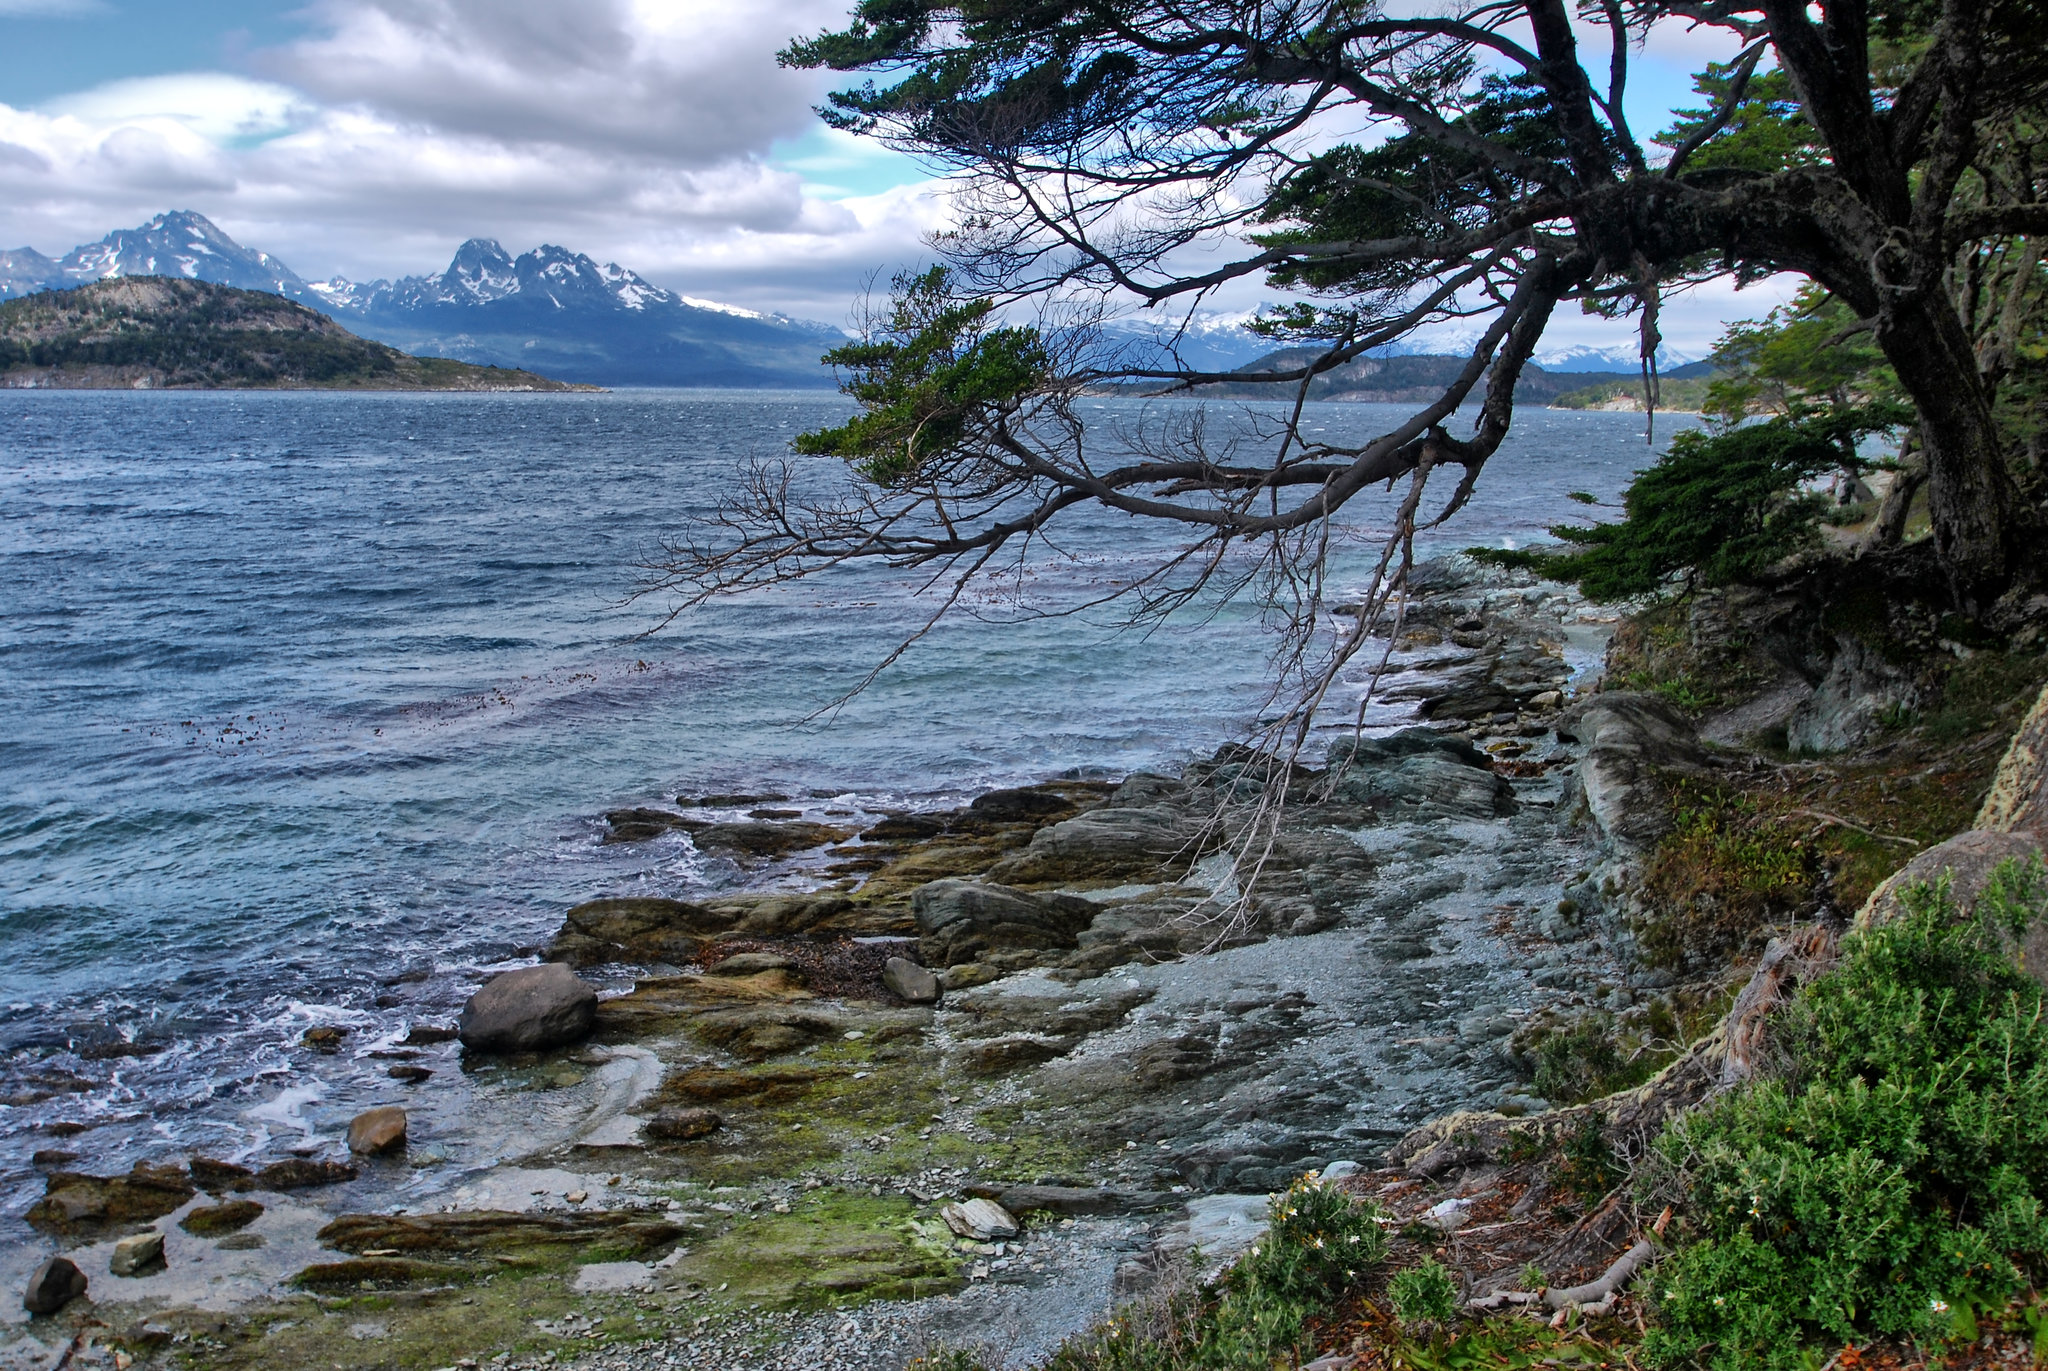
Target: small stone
{"points": [[980, 1220], [377, 1130], [55, 1284], [577, 1196], [681, 1125], [136, 1254], [211, 1219], [323, 1037], [907, 980], [1337, 1171], [411, 1075]]}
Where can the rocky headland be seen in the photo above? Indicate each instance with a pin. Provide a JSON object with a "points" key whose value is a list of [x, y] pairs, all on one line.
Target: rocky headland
{"points": [[967, 1075]]}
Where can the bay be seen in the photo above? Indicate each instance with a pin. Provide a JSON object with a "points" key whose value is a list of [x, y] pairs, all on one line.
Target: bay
{"points": [[303, 693]]}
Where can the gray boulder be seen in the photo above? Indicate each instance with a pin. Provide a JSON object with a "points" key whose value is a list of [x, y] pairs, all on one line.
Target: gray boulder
{"points": [[634, 929], [1630, 738], [907, 980], [528, 1010], [1149, 843], [961, 920], [56, 1283], [1418, 774]]}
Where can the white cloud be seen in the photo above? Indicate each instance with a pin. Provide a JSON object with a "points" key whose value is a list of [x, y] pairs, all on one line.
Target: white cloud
{"points": [[692, 82], [214, 105]]}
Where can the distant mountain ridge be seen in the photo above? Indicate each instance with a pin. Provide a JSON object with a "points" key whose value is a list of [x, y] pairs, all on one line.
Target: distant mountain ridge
{"points": [[170, 332], [1411, 379], [548, 310]]}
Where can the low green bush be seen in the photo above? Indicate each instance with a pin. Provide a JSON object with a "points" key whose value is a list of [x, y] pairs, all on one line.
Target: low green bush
{"points": [[1425, 1295], [1319, 1241], [1891, 1179]]}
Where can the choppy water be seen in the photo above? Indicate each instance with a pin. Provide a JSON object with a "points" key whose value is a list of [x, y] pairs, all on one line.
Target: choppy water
{"points": [[299, 692]]}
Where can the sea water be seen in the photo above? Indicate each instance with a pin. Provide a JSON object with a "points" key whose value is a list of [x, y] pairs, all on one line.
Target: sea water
{"points": [[304, 696]]}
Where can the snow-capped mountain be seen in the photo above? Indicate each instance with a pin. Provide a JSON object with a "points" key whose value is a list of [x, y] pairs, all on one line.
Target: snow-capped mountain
{"points": [[549, 310], [176, 244], [1627, 359]]}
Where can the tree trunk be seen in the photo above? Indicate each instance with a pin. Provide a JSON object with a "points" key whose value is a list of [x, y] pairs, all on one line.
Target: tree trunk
{"points": [[1971, 498]]}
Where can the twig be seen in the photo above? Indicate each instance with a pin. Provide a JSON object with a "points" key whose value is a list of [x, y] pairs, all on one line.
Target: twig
{"points": [[1840, 822]]}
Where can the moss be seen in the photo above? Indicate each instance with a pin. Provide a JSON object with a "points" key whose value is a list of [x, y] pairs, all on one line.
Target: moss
{"points": [[833, 1246]]}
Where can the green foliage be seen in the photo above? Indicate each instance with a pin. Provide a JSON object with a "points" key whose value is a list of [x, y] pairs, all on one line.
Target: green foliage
{"points": [[1813, 362], [1413, 185], [1895, 1181], [1425, 1294], [1766, 133], [935, 374], [1717, 507], [1585, 1166], [1583, 1063], [1318, 1242]]}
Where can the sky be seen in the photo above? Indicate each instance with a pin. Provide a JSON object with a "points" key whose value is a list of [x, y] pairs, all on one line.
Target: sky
{"points": [[369, 138]]}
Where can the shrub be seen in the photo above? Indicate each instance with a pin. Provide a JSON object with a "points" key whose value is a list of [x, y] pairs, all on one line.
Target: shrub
{"points": [[1317, 1243], [1718, 507], [1895, 1177], [1424, 1294]]}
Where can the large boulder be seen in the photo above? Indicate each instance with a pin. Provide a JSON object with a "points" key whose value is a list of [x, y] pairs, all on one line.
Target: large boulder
{"points": [[1631, 740], [634, 929], [2018, 801], [961, 920], [137, 1253], [1418, 774], [528, 1010], [1968, 862], [908, 981]]}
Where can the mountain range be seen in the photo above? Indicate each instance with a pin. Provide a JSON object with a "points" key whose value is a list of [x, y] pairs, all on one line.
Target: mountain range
{"points": [[564, 315], [549, 310]]}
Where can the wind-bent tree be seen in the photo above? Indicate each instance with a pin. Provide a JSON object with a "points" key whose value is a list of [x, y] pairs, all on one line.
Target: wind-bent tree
{"points": [[1392, 168]]}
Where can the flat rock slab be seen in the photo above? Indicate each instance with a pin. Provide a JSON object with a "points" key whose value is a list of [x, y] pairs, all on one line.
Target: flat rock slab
{"points": [[980, 1220], [602, 1278]]}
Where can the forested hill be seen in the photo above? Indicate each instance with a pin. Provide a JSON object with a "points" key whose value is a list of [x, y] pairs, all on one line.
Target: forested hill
{"points": [[1417, 379], [147, 332]]}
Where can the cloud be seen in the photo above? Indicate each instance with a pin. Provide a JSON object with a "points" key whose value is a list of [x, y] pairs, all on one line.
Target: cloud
{"points": [[692, 82], [216, 106], [656, 133]]}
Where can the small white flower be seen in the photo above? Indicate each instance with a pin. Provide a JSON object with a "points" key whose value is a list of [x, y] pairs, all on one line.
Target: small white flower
{"points": [[1939, 1306]]}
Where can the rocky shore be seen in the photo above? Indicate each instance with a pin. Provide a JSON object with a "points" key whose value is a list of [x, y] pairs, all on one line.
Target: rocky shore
{"points": [[740, 1128]]}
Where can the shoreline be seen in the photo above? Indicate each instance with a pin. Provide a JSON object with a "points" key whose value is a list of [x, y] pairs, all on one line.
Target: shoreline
{"points": [[1389, 898]]}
